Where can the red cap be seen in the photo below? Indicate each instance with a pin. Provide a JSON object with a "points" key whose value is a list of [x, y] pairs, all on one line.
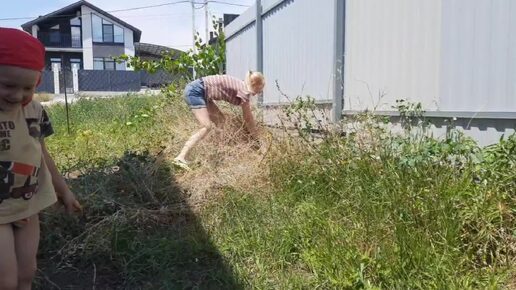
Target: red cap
{"points": [[20, 49]]}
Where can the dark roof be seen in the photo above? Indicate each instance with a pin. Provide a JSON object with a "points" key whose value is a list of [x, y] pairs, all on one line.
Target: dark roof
{"points": [[154, 50], [228, 18], [72, 8]]}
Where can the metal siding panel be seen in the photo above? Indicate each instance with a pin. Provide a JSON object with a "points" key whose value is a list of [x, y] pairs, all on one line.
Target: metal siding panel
{"points": [[478, 57], [246, 18], [511, 72], [392, 52], [298, 49], [241, 52]]}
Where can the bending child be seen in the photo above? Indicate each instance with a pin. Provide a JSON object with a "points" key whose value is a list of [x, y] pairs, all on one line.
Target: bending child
{"points": [[201, 94]]}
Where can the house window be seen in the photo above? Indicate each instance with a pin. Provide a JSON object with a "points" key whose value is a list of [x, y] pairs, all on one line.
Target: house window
{"points": [[55, 36], [120, 66], [55, 61], [107, 63], [75, 63], [98, 63], [75, 26], [105, 31], [75, 21], [96, 23], [76, 36], [119, 34]]}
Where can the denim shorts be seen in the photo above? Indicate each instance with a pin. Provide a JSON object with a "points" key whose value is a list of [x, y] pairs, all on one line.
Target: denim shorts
{"points": [[194, 95]]}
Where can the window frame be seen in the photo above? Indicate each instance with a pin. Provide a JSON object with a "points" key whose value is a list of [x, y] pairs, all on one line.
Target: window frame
{"points": [[97, 60], [107, 31], [108, 60]]}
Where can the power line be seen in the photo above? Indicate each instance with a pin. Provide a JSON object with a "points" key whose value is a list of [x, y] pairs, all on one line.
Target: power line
{"points": [[149, 6], [131, 9], [228, 3], [160, 15], [16, 18]]}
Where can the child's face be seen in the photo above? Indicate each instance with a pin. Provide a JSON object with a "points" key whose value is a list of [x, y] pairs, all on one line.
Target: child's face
{"points": [[17, 85], [258, 88]]}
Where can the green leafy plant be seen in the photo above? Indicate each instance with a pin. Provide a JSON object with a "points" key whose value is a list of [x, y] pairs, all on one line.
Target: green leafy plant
{"points": [[204, 58], [411, 114]]}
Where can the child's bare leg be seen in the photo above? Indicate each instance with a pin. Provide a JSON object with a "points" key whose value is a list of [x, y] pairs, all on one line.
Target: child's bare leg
{"points": [[203, 117], [8, 264], [215, 114], [26, 244]]}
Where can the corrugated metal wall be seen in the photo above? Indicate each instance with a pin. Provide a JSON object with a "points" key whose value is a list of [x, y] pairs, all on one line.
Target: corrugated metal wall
{"points": [[241, 44], [449, 55], [478, 55], [298, 48], [392, 49], [456, 57], [242, 52]]}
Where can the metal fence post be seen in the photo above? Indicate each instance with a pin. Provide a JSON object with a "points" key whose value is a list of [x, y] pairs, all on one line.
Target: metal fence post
{"points": [[338, 59], [55, 69], [75, 78], [259, 43]]}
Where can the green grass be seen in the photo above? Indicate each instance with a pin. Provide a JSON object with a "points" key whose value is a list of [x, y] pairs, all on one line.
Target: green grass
{"points": [[395, 213], [345, 217], [137, 230], [103, 129]]}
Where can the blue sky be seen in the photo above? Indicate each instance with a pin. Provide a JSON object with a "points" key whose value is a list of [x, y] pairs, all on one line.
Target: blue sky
{"points": [[166, 25]]}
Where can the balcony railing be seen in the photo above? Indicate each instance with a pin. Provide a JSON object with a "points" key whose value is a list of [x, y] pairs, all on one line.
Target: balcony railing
{"points": [[58, 39]]}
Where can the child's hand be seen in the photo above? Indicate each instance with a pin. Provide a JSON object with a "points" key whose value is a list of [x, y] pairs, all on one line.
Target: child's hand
{"points": [[70, 203]]}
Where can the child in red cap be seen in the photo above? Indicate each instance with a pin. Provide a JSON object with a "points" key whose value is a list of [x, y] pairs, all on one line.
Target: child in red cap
{"points": [[29, 179]]}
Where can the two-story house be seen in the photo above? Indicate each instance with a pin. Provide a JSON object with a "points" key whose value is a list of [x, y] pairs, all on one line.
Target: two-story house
{"points": [[84, 36]]}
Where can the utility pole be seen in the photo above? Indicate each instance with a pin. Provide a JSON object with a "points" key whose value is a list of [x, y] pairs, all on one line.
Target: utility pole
{"points": [[193, 35], [206, 21]]}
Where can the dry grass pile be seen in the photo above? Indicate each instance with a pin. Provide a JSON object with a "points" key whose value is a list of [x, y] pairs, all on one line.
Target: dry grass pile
{"points": [[226, 158]]}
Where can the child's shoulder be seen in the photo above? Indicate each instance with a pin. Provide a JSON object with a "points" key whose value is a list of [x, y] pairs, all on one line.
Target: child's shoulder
{"points": [[34, 108], [33, 105]]}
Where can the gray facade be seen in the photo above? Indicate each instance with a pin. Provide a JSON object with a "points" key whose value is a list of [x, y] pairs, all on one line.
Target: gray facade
{"points": [[100, 50]]}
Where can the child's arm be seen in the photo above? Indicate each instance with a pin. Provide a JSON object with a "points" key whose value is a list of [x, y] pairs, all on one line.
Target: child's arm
{"points": [[249, 119], [65, 196]]}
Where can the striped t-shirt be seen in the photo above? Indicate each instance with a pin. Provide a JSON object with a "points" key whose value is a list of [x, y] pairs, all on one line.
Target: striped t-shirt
{"points": [[226, 88]]}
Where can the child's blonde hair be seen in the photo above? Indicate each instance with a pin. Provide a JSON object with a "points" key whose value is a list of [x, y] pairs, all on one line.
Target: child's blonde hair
{"points": [[254, 81]]}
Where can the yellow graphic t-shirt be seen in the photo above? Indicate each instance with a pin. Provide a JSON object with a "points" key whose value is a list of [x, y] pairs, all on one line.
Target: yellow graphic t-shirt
{"points": [[25, 182]]}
